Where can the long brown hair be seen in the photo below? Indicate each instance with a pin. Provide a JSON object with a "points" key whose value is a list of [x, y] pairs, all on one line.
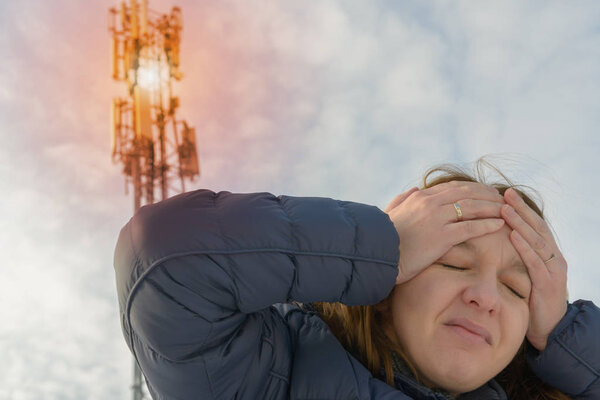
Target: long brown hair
{"points": [[360, 329]]}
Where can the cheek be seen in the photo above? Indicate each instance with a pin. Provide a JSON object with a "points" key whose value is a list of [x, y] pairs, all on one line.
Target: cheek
{"points": [[515, 322], [411, 302], [522, 316], [417, 305]]}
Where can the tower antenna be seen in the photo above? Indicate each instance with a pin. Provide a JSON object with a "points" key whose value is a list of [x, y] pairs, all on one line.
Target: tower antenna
{"points": [[156, 149]]}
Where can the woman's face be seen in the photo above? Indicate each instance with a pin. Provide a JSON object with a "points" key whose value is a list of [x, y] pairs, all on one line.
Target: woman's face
{"points": [[461, 327]]}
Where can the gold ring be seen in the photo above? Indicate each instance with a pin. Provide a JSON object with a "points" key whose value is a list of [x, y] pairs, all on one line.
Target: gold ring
{"points": [[552, 257], [458, 212]]}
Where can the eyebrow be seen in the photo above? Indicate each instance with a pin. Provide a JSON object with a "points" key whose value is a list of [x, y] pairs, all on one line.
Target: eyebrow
{"points": [[466, 245], [520, 267], [516, 264]]}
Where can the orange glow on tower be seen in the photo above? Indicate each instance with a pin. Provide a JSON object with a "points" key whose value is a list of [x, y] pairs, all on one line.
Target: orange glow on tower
{"points": [[146, 137]]}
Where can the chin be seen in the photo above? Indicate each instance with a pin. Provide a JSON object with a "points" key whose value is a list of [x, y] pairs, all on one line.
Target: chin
{"points": [[459, 375], [455, 382]]}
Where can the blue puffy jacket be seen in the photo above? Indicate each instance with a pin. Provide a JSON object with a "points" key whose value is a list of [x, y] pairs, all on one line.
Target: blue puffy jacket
{"points": [[205, 281]]}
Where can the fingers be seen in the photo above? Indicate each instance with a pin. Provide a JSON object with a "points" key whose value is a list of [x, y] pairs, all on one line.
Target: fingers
{"points": [[400, 198], [547, 268], [465, 230], [547, 301], [533, 230], [538, 272], [461, 185], [527, 214], [455, 191], [535, 240], [472, 209]]}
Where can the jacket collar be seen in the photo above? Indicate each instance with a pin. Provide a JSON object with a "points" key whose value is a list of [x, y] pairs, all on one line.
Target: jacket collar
{"points": [[405, 381]]}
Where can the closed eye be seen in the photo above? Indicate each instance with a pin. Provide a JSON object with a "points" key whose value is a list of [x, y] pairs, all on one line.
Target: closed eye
{"points": [[515, 292], [454, 267]]}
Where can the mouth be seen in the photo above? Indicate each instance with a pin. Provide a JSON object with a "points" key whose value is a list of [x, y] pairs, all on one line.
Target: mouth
{"points": [[470, 330]]}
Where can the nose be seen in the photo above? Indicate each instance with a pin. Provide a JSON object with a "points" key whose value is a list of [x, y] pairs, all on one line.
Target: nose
{"points": [[482, 293]]}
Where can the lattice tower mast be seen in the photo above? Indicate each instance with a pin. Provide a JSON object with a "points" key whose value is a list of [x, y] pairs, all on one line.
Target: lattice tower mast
{"points": [[146, 56], [146, 137]]}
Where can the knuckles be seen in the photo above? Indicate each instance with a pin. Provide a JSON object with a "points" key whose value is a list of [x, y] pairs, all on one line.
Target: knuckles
{"points": [[539, 243], [468, 227]]}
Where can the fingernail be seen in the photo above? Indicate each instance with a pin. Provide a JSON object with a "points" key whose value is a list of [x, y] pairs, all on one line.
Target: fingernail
{"points": [[509, 209]]}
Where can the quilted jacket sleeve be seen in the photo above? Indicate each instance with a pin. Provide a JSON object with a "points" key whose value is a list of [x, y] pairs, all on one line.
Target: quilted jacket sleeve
{"points": [[571, 360], [196, 273]]}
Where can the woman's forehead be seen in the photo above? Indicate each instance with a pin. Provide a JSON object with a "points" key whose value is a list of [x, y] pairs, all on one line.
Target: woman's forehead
{"points": [[498, 245], [499, 240]]}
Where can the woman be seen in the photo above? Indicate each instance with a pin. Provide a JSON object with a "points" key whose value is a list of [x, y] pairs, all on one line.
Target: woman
{"points": [[253, 296], [458, 282]]}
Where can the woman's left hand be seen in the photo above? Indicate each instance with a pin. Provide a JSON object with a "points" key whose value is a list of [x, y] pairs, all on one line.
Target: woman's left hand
{"points": [[546, 265]]}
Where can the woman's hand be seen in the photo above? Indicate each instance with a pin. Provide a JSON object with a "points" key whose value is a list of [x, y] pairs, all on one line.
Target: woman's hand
{"points": [[546, 265], [428, 226]]}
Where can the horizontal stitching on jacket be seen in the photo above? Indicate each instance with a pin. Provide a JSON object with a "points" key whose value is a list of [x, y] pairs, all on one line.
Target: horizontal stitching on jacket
{"points": [[582, 361], [156, 263], [278, 375], [281, 250], [160, 290]]}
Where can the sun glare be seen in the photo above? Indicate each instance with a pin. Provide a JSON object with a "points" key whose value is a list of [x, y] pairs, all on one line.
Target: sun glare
{"points": [[149, 77]]}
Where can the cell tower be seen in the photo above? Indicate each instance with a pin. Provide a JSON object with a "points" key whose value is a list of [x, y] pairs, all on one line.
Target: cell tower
{"points": [[146, 137]]}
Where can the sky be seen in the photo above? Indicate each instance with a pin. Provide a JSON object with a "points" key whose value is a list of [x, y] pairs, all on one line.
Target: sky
{"points": [[350, 100]]}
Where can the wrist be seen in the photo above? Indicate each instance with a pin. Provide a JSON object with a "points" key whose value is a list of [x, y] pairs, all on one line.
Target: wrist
{"points": [[402, 276], [538, 343]]}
